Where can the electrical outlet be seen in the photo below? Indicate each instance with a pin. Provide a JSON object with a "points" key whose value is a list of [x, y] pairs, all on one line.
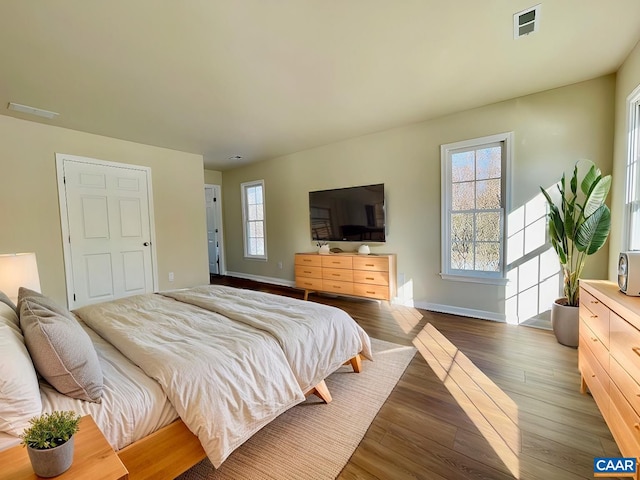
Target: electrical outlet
{"points": [[171, 277], [280, 265]]}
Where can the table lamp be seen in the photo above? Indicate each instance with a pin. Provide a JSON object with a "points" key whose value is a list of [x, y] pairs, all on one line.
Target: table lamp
{"points": [[18, 270]]}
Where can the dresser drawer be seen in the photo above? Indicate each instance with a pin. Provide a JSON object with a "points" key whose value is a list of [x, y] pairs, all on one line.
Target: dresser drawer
{"points": [[309, 283], [380, 292], [625, 424], [596, 315], [373, 278], [336, 286], [342, 274], [625, 345], [589, 340], [309, 260], [597, 380], [627, 385], [376, 264], [336, 261], [307, 271]]}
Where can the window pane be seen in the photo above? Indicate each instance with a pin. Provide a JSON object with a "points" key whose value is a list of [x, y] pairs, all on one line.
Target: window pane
{"points": [[488, 163], [259, 230], [252, 210], [488, 226], [258, 194], [634, 226], [462, 255], [251, 195], [259, 209], [488, 257], [488, 194], [252, 246], [259, 246], [462, 166], [252, 229], [462, 196]]}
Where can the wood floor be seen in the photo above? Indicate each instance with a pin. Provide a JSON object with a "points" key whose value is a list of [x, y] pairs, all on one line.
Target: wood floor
{"points": [[480, 400]]}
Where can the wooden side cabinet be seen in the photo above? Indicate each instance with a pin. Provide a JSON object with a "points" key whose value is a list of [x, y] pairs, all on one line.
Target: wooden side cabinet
{"points": [[93, 458], [369, 276], [609, 359]]}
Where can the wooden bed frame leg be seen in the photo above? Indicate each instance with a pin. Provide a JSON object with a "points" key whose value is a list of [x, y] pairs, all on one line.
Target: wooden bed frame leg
{"points": [[356, 363], [322, 391], [583, 385]]}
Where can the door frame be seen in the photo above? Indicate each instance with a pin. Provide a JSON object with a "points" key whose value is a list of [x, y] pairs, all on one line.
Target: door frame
{"points": [[64, 216], [222, 269]]}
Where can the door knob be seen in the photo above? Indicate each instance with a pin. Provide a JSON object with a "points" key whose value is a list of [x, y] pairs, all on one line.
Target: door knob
{"points": [[146, 244]]}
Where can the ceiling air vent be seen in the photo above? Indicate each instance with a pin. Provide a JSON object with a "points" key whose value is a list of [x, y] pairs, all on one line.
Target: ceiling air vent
{"points": [[526, 21]]}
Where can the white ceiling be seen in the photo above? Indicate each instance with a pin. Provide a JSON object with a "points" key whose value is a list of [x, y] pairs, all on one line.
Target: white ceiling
{"points": [[264, 78]]}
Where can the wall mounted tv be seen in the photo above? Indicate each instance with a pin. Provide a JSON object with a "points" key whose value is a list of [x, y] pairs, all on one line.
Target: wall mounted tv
{"points": [[354, 214]]}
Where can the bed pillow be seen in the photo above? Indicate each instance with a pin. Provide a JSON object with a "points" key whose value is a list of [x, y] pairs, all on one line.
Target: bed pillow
{"points": [[61, 350], [6, 300], [19, 390]]}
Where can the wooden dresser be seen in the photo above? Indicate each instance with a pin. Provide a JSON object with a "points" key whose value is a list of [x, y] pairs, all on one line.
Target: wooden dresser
{"points": [[609, 358], [370, 276]]}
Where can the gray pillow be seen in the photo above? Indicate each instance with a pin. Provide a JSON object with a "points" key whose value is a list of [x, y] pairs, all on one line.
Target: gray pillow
{"points": [[5, 299], [61, 350]]}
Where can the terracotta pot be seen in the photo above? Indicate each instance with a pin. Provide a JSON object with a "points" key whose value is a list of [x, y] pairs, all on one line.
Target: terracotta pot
{"points": [[565, 320], [52, 462]]}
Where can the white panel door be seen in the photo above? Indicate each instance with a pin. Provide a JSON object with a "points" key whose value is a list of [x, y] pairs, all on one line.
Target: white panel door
{"points": [[109, 229], [212, 229]]}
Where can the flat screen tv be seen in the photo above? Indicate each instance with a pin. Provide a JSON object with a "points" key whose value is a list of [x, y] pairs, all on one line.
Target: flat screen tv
{"points": [[354, 214]]}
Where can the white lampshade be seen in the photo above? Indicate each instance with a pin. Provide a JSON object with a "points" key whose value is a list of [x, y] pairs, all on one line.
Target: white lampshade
{"points": [[18, 270]]}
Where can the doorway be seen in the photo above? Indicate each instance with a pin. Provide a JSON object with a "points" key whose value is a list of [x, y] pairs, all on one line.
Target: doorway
{"points": [[213, 200]]}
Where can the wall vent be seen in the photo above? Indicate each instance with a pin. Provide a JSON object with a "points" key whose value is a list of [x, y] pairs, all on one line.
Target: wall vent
{"points": [[526, 21]]}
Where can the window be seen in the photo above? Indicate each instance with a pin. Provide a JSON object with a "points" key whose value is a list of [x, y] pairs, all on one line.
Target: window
{"points": [[475, 177], [253, 220], [632, 198]]}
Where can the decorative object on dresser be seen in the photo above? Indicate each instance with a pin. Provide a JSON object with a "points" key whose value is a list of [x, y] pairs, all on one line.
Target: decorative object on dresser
{"points": [[578, 222], [364, 250], [49, 442], [629, 273], [609, 359], [370, 276]]}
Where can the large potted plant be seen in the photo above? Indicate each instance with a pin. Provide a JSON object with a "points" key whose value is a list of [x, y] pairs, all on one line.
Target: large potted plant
{"points": [[578, 224], [49, 442]]}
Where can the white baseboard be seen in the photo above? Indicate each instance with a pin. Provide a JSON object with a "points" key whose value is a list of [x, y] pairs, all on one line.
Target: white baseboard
{"points": [[260, 278], [464, 312]]}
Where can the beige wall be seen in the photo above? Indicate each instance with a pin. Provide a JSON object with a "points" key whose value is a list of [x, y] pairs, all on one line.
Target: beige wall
{"points": [[627, 79], [212, 177], [552, 130], [29, 211]]}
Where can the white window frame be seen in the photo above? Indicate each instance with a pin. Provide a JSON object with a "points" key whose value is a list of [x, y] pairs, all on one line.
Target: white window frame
{"points": [[245, 219], [632, 174], [446, 150]]}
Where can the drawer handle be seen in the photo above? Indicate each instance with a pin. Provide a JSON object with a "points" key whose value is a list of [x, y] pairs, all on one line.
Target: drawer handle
{"points": [[594, 316], [307, 271], [369, 278], [594, 339], [636, 350], [636, 426], [368, 265], [371, 293], [595, 301], [335, 274]]}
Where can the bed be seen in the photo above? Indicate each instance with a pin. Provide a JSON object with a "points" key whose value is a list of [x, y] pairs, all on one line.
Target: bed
{"points": [[182, 374]]}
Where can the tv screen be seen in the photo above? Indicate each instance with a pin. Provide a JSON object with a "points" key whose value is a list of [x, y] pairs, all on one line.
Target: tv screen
{"points": [[354, 214]]}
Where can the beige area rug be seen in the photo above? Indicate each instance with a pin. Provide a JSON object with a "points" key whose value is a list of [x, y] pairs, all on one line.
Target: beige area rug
{"points": [[314, 440]]}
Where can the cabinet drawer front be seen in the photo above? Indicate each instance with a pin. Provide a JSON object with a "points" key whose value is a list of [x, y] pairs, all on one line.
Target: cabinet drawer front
{"points": [[310, 272], [627, 385], [596, 379], [596, 315], [309, 260], [309, 283], [341, 274], [336, 261], [336, 286], [380, 292], [624, 423], [376, 264], [625, 345], [589, 340], [373, 278]]}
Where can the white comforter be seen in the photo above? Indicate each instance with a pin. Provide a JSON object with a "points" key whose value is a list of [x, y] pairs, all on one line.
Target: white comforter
{"points": [[225, 379], [316, 339]]}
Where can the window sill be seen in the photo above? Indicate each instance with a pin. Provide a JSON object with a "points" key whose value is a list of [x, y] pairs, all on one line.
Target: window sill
{"points": [[259, 259], [469, 279]]}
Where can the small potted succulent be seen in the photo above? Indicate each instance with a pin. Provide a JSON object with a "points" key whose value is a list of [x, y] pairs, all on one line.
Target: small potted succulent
{"points": [[49, 442]]}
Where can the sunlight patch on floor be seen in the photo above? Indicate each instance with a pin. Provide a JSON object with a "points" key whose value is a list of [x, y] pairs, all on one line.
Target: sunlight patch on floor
{"points": [[407, 318], [489, 408]]}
